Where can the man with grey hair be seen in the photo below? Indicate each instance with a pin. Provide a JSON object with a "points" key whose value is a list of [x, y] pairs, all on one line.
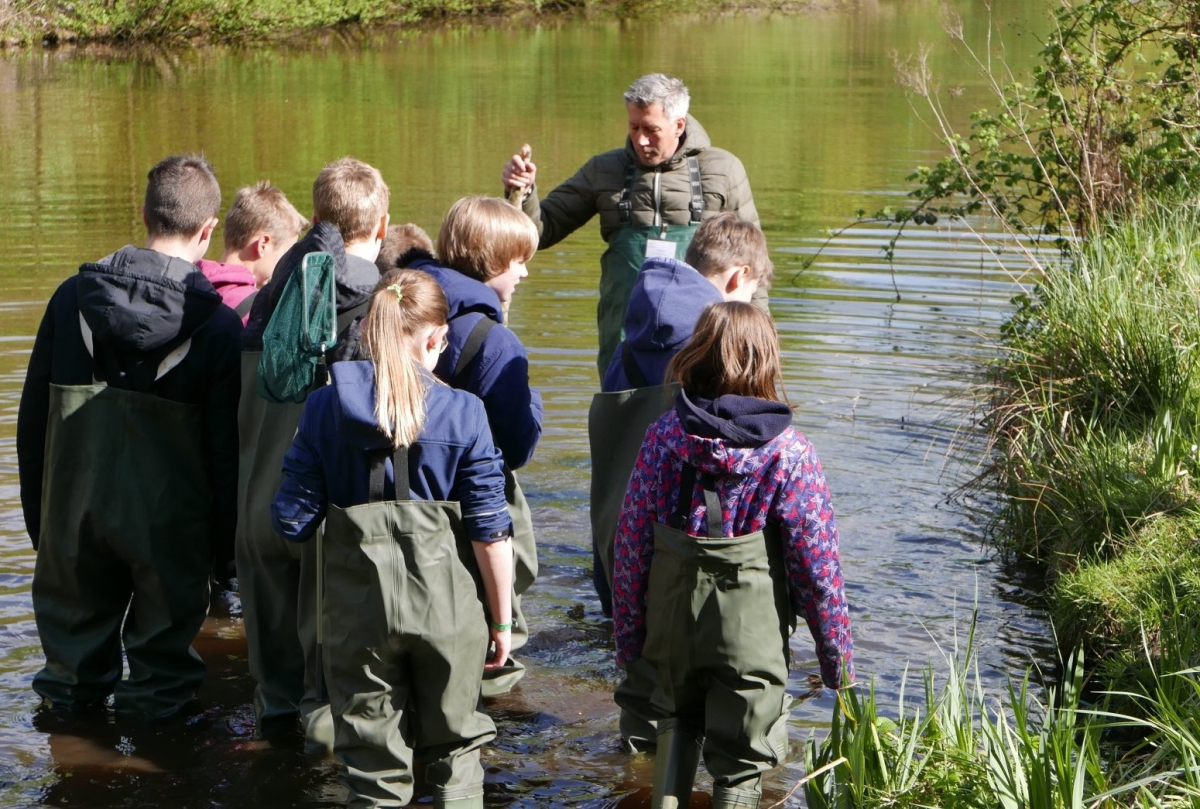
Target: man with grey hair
{"points": [[651, 195]]}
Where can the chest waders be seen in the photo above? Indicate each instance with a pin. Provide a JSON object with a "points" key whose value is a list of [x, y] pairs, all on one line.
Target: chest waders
{"points": [[276, 578], [405, 640], [622, 260], [525, 560], [717, 626], [617, 423], [125, 550]]}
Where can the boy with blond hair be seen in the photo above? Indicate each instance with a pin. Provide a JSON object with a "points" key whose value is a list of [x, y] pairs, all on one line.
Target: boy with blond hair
{"points": [[260, 227], [727, 260], [278, 578], [482, 248]]}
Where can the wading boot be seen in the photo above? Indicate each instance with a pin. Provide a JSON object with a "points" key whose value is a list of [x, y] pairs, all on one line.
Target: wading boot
{"points": [[731, 798], [674, 766], [473, 802]]}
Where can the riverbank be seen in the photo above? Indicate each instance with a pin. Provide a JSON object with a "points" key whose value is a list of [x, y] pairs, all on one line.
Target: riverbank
{"points": [[25, 23]]}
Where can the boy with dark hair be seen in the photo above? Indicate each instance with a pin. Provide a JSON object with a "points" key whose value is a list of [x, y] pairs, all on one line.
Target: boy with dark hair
{"points": [[261, 227], [726, 260], [277, 579], [127, 448], [403, 245]]}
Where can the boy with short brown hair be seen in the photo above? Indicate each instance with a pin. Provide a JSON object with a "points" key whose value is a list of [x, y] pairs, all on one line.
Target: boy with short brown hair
{"points": [[260, 227], [127, 450], [278, 578], [403, 245]]}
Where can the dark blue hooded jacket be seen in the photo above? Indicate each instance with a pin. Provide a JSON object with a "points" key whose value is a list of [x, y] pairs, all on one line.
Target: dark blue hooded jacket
{"points": [[666, 302], [499, 375], [329, 462]]}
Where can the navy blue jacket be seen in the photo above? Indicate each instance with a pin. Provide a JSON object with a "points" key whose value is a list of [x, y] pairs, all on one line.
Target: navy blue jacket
{"points": [[139, 305], [665, 304], [329, 462], [499, 375]]}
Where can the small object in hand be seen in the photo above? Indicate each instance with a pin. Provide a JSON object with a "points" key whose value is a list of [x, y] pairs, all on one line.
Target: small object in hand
{"points": [[515, 195]]}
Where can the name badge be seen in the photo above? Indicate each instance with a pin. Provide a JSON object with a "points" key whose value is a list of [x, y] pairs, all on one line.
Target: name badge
{"points": [[660, 248]]}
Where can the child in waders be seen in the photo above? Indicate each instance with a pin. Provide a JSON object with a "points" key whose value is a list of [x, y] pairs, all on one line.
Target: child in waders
{"points": [[727, 259], [127, 449], [483, 247], [403, 471], [276, 578], [726, 535], [260, 227]]}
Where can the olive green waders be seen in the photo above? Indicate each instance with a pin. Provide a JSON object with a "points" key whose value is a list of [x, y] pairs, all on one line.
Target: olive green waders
{"points": [[125, 551], [276, 578], [617, 424], [525, 569], [718, 620], [405, 640], [622, 261]]}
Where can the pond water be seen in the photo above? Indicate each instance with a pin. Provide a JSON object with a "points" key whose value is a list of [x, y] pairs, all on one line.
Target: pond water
{"points": [[882, 384]]}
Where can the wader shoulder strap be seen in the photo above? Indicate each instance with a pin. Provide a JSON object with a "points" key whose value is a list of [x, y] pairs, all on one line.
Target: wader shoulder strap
{"points": [[247, 303], [696, 206], [350, 315], [470, 350], [376, 480], [712, 503], [625, 205], [633, 372]]}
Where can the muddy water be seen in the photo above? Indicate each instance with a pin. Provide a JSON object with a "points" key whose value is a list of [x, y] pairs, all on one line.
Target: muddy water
{"points": [[881, 385]]}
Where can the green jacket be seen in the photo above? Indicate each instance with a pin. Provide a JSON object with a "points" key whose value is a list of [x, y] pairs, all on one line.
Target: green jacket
{"points": [[596, 188]]}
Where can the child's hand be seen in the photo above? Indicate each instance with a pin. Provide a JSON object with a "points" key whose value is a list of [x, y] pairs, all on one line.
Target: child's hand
{"points": [[501, 645]]}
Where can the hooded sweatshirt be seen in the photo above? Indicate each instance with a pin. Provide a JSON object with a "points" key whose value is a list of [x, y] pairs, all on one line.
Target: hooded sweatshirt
{"points": [[355, 280], [499, 375], [139, 305], [233, 282], [329, 462], [666, 302], [764, 473]]}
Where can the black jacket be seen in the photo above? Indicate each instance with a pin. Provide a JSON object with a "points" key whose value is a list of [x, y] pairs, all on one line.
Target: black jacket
{"points": [[139, 305]]}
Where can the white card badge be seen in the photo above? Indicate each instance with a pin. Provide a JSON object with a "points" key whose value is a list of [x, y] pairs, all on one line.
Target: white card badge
{"points": [[660, 248]]}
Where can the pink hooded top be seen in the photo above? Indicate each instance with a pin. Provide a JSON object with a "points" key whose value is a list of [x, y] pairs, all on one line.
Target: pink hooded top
{"points": [[233, 282]]}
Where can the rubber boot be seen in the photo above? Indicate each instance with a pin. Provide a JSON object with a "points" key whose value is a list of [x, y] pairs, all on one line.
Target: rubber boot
{"points": [[473, 802], [731, 798], [674, 766]]}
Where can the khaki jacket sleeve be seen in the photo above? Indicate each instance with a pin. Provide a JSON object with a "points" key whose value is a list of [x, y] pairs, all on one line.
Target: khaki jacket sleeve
{"points": [[741, 200], [565, 209]]}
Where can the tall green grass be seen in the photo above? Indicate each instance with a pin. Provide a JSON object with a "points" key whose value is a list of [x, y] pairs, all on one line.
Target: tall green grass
{"points": [[1095, 421], [961, 747]]}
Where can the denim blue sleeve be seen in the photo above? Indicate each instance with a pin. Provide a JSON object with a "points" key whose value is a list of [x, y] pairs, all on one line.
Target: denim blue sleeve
{"points": [[479, 484], [514, 409], [300, 504]]}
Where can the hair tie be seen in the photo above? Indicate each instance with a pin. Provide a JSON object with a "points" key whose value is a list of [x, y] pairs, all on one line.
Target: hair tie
{"points": [[396, 288]]}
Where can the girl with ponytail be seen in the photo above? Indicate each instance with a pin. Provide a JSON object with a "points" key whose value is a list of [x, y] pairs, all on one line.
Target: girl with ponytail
{"points": [[414, 515]]}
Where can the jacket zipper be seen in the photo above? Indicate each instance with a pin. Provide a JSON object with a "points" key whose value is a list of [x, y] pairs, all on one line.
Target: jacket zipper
{"points": [[658, 222]]}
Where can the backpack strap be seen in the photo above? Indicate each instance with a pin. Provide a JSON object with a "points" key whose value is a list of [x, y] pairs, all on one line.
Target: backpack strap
{"points": [[246, 304], [712, 503], [350, 315], [696, 205], [625, 205], [376, 478], [470, 349], [633, 372]]}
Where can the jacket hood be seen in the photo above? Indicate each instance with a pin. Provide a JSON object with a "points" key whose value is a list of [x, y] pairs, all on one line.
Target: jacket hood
{"points": [[355, 279], [693, 141], [226, 275], [354, 389], [665, 304], [142, 301], [723, 435], [463, 293]]}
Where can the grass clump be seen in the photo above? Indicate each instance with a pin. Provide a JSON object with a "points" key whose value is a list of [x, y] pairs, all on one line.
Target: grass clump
{"points": [[1095, 418]]}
